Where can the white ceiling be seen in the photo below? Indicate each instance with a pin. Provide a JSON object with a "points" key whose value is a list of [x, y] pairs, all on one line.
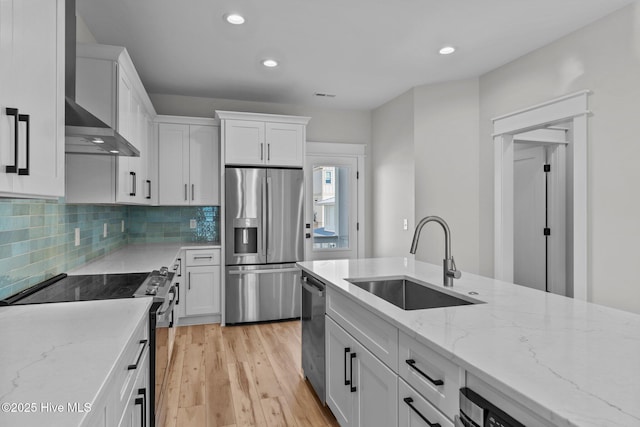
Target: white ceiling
{"points": [[364, 51]]}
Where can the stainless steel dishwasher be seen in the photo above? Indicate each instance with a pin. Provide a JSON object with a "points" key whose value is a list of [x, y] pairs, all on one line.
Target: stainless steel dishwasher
{"points": [[313, 309]]}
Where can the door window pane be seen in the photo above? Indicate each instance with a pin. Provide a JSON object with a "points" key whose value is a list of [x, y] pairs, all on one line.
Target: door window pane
{"points": [[331, 207]]}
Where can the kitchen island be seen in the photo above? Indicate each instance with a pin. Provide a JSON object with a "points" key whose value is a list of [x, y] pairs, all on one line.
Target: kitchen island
{"points": [[570, 362], [57, 358]]}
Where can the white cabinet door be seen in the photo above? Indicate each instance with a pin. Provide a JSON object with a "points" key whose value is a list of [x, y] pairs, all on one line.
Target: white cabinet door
{"points": [[32, 75], [285, 144], [244, 142], [173, 164], [203, 290], [338, 347], [376, 390], [204, 165]]}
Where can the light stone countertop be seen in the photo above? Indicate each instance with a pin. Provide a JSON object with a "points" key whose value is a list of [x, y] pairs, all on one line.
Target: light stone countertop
{"points": [[571, 362], [137, 258], [61, 353]]}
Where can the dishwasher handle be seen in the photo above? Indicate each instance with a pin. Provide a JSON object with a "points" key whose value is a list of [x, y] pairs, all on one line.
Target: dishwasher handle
{"points": [[312, 288]]}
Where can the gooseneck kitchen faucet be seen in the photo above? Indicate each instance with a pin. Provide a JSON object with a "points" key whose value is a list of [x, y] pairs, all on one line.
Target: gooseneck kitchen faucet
{"points": [[448, 264]]}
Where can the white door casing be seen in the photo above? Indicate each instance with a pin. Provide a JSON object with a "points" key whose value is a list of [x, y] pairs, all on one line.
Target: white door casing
{"points": [[571, 108], [348, 159]]}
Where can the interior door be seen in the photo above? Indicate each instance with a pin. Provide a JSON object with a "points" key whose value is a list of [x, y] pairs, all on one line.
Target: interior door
{"points": [[529, 215], [331, 201]]}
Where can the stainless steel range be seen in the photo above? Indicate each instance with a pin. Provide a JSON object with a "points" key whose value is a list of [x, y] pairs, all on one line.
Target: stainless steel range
{"points": [[157, 285]]}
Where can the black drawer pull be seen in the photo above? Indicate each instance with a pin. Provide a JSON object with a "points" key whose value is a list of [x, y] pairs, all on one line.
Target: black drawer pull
{"points": [[346, 351], [144, 344], [149, 188], [412, 363], [409, 402], [14, 167], [25, 118], [143, 411], [353, 388], [177, 293]]}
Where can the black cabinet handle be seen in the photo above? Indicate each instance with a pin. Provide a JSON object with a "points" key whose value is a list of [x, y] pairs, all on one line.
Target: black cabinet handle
{"points": [[412, 363], [409, 402], [25, 118], [346, 351], [14, 167], [353, 356], [177, 293], [133, 184], [149, 184], [144, 344], [171, 321], [142, 401]]}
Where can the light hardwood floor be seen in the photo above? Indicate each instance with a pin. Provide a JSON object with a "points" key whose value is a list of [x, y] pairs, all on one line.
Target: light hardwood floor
{"points": [[246, 375]]}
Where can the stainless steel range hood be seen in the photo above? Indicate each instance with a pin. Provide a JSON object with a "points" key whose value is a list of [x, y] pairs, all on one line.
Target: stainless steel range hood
{"points": [[84, 132]]}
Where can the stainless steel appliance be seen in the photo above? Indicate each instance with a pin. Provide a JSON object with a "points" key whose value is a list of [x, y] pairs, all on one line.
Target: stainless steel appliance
{"points": [[313, 353], [157, 284], [476, 411], [264, 238]]}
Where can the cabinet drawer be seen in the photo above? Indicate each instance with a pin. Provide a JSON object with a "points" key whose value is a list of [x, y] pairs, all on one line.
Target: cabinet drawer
{"points": [[203, 257], [412, 408], [433, 376], [377, 335], [135, 354]]}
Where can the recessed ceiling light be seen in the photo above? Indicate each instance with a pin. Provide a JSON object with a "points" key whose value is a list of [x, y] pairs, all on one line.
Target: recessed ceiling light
{"points": [[114, 151], [97, 141], [270, 63], [447, 50], [234, 18]]}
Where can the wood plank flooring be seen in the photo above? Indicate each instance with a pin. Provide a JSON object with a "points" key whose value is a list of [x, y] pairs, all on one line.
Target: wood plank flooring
{"points": [[238, 376]]}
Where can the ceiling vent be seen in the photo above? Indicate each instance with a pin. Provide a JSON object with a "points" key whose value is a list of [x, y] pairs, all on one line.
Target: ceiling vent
{"points": [[324, 95]]}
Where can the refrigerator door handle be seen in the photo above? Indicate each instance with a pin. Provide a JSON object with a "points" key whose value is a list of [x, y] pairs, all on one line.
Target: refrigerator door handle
{"points": [[264, 271], [264, 216], [269, 217]]}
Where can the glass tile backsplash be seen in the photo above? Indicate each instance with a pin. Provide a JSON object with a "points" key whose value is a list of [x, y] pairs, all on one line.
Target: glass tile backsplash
{"points": [[37, 237]]}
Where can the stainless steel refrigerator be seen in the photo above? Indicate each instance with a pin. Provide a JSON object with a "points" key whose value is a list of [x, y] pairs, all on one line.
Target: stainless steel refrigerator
{"points": [[263, 240]]}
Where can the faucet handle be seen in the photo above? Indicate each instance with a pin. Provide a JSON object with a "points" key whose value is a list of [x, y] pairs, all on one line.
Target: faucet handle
{"points": [[453, 271]]}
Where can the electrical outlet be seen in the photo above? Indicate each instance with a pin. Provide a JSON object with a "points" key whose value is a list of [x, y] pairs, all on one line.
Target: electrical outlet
{"points": [[104, 230], [193, 223], [122, 226], [405, 224], [77, 236]]}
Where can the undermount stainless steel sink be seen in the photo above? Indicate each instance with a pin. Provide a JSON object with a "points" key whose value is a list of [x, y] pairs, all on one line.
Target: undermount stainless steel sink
{"points": [[409, 295]]}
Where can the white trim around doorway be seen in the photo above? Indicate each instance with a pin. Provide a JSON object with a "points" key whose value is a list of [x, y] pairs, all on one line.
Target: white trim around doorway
{"points": [[574, 108]]}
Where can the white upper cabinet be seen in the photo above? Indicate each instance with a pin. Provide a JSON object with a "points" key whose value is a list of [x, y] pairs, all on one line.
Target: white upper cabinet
{"points": [[108, 86], [188, 161], [32, 98], [263, 139]]}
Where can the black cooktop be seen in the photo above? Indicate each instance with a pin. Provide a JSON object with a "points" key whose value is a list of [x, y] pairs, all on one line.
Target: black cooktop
{"points": [[63, 288]]}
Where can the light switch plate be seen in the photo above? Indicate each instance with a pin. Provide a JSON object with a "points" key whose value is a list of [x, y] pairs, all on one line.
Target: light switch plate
{"points": [[104, 230], [77, 236], [193, 223], [122, 226], [405, 224]]}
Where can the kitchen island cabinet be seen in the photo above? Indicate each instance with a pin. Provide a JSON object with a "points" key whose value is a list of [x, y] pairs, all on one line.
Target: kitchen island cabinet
{"points": [[66, 364], [557, 361]]}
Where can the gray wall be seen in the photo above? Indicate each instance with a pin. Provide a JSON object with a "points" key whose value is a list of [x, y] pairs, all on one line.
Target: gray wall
{"points": [[393, 177], [603, 57], [446, 180], [453, 150]]}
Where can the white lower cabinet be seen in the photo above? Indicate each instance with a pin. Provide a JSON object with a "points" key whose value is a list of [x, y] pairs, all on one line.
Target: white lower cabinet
{"points": [[361, 390], [200, 286], [416, 411], [377, 375], [124, 397]]}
